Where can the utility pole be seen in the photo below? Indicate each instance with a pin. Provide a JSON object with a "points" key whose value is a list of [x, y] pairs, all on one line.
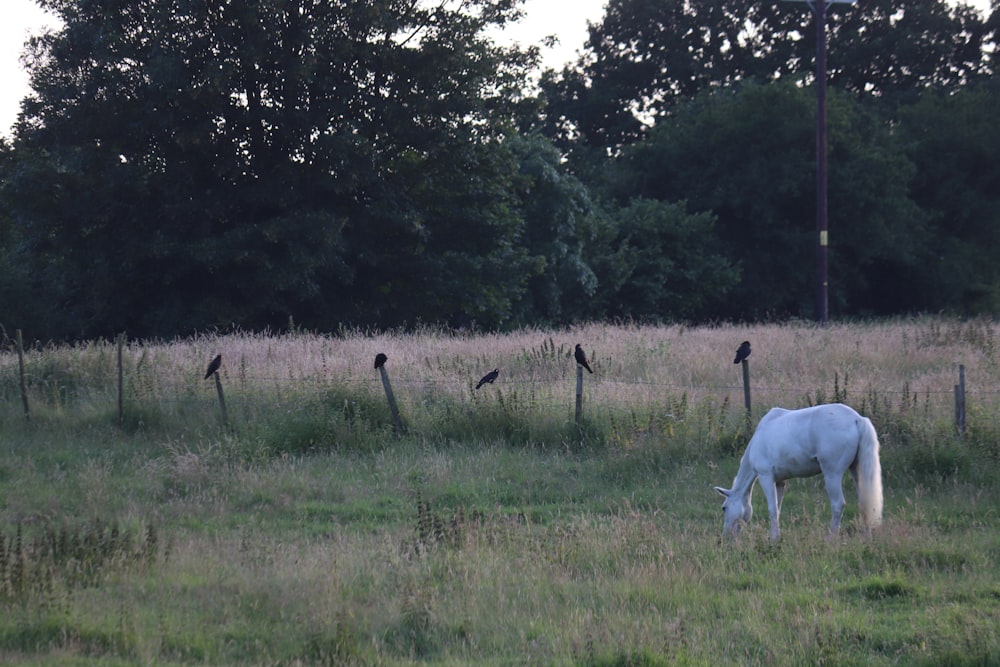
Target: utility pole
{"points": [[822, 221], [819, 8]]}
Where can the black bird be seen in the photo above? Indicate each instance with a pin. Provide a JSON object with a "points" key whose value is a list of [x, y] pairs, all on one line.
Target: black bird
{"points": [[214, 366], [742, 352], [380, 360], [489, 377], [581, 358]]}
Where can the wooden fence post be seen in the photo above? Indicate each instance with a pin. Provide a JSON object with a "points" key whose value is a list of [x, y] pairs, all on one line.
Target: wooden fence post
{"points": [[391, 398], [579, 395], [960, 401], [20, 366], [222, 400], [746, 388], [121, 388]]}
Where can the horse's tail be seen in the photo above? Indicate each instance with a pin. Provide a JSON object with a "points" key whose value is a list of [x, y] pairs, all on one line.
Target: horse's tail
{"points": [[869, 476]]}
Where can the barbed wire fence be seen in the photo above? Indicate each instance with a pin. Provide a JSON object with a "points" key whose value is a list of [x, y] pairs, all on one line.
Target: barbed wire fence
{"points": [[138, 384]]}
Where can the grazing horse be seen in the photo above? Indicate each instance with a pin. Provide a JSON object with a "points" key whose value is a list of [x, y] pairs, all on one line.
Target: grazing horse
{"points": [[827, 439]]}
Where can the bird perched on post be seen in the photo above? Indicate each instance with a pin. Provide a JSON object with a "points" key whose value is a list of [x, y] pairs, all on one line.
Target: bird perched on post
{"points": [[581, 358], [380, 360], [214, 366], [742, 352], [489, 378]]}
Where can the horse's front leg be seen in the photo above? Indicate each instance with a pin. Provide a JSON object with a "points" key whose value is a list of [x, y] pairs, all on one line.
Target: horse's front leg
{"points": [[779, 488], [773, 497]]}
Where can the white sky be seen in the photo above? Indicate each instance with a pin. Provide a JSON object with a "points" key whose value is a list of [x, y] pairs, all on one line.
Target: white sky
{"points": [[21, 18]]}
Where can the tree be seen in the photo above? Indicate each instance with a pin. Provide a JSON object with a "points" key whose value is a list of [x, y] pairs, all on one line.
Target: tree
{"points": [[747, 156], [563, 231], [892, 48], [191, 163], [674, 266], [953, 141], [646, 56]]}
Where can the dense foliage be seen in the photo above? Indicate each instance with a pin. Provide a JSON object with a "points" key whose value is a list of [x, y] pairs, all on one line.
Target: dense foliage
{"points": [[184, 164]]}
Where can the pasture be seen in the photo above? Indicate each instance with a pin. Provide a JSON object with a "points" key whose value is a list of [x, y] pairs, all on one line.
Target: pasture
{"points": [[495, 530]]}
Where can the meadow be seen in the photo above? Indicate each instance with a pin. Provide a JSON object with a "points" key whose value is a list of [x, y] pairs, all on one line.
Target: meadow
{"points": [[494, 530]]}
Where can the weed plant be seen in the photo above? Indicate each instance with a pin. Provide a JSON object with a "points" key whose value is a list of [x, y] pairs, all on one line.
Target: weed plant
{"points": [[495, 529]]}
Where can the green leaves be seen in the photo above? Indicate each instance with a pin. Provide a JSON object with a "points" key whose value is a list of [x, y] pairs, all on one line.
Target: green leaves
{"points": [[240, 163], [186, 164], [952, 141], [647, 56], [675, 267]]}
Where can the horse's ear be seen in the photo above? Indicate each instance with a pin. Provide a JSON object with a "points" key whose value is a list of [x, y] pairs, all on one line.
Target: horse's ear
{"points": [[723, 492]]}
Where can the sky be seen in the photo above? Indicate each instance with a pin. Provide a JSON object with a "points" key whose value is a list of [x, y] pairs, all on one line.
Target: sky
{"points": [[21, 18]]}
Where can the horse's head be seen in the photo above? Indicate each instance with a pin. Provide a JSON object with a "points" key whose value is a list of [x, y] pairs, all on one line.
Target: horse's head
{"points": [[736, 511]]}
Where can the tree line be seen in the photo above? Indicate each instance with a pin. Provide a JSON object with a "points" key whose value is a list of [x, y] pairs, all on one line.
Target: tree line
{"points": [[183, 165]]}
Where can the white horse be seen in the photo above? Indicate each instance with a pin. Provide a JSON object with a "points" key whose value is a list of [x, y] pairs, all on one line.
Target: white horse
{"points": [[827, 439]]}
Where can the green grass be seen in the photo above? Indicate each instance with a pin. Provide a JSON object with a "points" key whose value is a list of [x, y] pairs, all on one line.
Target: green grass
{"points": [[495, 531]]}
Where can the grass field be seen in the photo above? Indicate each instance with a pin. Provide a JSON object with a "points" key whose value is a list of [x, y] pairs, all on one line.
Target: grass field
{"points": [[495, 530]]}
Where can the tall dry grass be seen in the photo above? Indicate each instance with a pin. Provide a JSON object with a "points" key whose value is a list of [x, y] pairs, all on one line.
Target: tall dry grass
{"points": [[635, 365], [666, 392]]}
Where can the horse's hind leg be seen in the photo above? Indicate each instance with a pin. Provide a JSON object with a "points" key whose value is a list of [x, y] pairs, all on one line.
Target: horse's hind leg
{"points": [[835, 489], [779, 488]]}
